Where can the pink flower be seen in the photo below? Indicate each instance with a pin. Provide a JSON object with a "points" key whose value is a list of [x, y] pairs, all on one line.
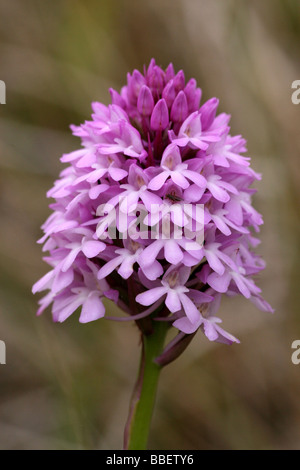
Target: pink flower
{"points": [[190, 133], [172, 166], [154, 210], [172, 287], [207, 322]]}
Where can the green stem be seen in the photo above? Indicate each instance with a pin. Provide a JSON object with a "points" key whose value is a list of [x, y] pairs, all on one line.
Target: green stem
{"points": [[144, 393]]}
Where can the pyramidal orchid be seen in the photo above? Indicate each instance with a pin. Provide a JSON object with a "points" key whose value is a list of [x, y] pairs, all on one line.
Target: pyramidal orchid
{"points": [[153, 212]]}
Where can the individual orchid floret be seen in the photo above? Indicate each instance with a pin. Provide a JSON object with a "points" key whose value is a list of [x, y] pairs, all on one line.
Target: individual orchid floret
{"points": [[237, 275], [125, 258], [175, 245], [123, 139], [77, 244], [172, 167], [137, 188], [104, 165], [174, 292], [190, 133], [207, 322], [182, 212]]}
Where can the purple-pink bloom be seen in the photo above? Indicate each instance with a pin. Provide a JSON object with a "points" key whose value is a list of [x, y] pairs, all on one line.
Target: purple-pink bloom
{"points": [[207, 322], [177, 295], [173, 167], [160, 116], [154, 210], [191, 133]]}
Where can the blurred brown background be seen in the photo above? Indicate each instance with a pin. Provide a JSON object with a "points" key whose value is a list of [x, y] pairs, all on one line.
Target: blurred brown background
{"points": [[67, 386]]}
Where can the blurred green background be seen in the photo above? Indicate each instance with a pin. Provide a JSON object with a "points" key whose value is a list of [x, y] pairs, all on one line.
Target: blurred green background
{"points": [[67, 386]]}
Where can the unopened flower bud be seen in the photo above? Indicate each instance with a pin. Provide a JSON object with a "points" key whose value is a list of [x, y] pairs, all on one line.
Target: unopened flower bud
{"points": [[169, 93], [135, 83], [193, 95], [160, 116], [116, 98], [145, 102], [170, 73], [179, 81], [179, 109], [156, 80], [208, 112]]}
